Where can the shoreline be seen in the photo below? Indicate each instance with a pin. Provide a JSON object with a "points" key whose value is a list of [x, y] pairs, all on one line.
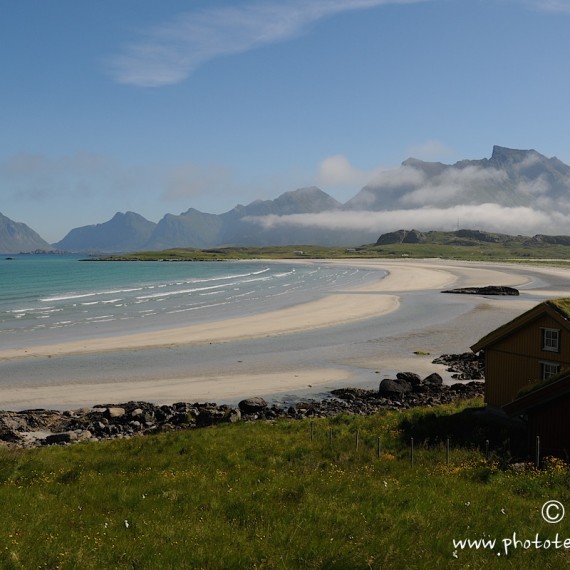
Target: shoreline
{"points": [[283, 371], [333, 309]]}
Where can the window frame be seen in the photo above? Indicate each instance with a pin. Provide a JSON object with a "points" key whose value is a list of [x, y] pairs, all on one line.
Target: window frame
{"points": [[548, 369], [550, 339]]}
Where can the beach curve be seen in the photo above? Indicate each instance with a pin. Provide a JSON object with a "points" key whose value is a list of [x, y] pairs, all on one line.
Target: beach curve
{"points": [[333, 309], [221, 375]]}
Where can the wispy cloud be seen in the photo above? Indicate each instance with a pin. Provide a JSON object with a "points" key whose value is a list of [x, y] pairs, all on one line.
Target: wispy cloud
{"points": [[338, 171], [550, 5], [39, 178], [189, 180], [170, 52]]}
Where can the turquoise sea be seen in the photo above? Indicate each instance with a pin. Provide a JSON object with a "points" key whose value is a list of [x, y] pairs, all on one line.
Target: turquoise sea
{"points": [[53, 298]]}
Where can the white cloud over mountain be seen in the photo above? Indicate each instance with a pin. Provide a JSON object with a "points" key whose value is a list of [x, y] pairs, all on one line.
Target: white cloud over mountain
{"points": [[489, 217]]}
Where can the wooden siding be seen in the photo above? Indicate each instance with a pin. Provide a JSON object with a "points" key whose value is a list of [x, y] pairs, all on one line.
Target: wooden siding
{"points": [[528, 341], [552, 423], [509, 373], [513, 361]]}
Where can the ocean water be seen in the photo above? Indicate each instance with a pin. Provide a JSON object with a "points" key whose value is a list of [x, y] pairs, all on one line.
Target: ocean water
{"points": [[52, 298]]}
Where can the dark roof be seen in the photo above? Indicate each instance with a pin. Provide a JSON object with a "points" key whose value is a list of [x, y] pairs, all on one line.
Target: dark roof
{"points": [[558, 308], [542, 394], [561, 305]]}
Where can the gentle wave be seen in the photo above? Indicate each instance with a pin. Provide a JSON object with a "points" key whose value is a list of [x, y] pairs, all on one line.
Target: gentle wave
{"points": [[131, 293]]}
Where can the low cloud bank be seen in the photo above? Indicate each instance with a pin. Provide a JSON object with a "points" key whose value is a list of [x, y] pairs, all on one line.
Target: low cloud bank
{"points": [[489, 217]]}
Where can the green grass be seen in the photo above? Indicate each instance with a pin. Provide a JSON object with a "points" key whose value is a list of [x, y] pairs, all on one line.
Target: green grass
{"points": [[266, 495], [515, 251]]}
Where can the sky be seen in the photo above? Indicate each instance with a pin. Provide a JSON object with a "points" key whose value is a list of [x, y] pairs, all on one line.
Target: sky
{"points": [[158, 107]]}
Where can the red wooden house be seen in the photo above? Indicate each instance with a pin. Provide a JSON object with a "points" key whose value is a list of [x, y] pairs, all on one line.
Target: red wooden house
{"points": [[532, 347]]}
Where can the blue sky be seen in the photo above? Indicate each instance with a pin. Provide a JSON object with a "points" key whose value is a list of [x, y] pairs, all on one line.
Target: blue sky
{"points": [[157, 107]]}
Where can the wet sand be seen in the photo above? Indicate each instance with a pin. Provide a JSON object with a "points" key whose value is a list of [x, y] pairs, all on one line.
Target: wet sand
{"points": [[346, 338]]}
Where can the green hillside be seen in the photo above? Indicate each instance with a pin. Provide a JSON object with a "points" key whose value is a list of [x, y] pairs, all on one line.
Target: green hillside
{"points": [[286, 494], [469, 245]]}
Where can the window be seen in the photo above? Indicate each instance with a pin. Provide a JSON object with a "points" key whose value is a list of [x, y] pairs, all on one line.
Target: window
{"points": [[548, 369], [550, 339]]}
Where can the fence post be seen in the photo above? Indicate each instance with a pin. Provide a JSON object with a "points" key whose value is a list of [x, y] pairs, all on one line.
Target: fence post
{"points": [[487, 449], [379, 448], [537, 451], [412, 451], [330, 435], [357, 438], [447, 452]]}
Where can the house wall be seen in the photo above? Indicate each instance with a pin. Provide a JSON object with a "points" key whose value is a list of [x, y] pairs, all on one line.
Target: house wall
{"points": [[552, 423], [514, 361], [506, 374]]}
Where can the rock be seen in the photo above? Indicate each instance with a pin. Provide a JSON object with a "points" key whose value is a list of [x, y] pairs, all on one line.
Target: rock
{"points": [[252, 405], [40, 427], [209, 417], [466, 366], [12, 422], [410, 377], [9, 435], [57, 438], [434, 379], [486, 290], [394, 387], [84, 435], [233, 415], [111, 413]]}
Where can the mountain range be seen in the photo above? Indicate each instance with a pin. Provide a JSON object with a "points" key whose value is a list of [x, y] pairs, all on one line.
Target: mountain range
{"points": [[512, 187], [16, 237]]}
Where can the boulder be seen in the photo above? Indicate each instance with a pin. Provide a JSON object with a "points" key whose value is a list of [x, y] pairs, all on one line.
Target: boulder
{"points": [[410, 377], [64, 437], [233, 415], [252, 405], [9, 436], [111, 413], [394, 387], [434, 379]]}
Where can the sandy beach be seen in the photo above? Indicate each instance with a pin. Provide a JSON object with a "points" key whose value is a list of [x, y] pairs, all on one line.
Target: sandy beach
{"points": [[343, 338]]}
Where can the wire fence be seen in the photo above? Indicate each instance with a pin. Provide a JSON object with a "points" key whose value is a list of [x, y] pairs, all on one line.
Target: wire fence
{"points": [[486, 450]]}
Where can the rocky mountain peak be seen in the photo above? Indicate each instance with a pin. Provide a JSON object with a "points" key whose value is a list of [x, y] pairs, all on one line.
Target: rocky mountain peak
{"points": [[502, 155]]}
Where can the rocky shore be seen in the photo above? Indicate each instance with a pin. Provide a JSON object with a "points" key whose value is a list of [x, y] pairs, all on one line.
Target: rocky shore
{"points": [[31, 428]]}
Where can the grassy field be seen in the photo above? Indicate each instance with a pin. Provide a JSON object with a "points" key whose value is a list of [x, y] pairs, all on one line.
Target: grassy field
{"points": [[515, 251], [290, 494]]}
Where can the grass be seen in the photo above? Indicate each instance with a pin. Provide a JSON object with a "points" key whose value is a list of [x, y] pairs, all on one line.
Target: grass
{"points": [[266, 495], [516, 251]]}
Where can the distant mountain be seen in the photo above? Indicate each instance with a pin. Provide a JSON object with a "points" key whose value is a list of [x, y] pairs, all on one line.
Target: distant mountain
{"points": [[191, 228], [130, 232], [16, 237], [240, 227], [509, 178], [420, 193], [124, 232]]}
